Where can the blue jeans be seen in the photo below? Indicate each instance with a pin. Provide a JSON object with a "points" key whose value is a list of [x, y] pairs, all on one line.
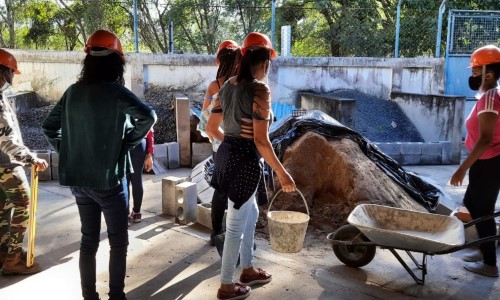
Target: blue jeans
{"points": [[113, 203], [240, 231]]}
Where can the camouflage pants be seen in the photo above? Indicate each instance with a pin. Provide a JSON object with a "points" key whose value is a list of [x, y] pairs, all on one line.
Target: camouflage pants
{"points": [[14, 200]]}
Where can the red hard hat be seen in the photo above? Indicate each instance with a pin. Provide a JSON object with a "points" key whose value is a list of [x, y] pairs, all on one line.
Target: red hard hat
{"points": [[104, 39], [257, 39], [486, 55], [229, 44], [9, 61]]}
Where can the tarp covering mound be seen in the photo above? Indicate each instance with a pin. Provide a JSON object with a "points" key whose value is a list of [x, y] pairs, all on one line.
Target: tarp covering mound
{"points": [[285, 131]]}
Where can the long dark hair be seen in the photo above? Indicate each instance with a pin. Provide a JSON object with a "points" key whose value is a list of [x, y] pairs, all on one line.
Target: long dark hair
{"points": [[229, 59], [109, 68], [251, 58], [495, 68]]}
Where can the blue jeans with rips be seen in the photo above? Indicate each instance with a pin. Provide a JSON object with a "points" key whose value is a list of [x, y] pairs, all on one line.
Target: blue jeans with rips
{"points": [[113, 203], [240, 232]]}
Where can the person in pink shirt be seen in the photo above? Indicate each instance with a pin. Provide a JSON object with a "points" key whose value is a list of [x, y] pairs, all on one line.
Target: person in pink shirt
{"points": [[483, 162]]}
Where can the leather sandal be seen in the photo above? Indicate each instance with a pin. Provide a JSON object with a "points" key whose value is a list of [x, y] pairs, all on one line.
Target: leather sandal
{"points": [[242, 291], [262, 277]]}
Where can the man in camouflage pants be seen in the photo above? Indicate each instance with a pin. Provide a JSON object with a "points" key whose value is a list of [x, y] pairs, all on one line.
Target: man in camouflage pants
{"points": [[14, 188]]}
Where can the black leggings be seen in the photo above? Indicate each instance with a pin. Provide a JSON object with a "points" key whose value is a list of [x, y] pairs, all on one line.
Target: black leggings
{"points": [[219, 206], [480, 199], [138, 155]]}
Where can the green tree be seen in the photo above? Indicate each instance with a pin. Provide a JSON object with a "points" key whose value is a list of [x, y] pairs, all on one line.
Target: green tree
{"points": [[40, 16], [9, 12]]}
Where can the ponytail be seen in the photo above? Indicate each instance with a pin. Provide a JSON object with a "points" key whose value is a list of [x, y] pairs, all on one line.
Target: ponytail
{"points": [[252, 57]]}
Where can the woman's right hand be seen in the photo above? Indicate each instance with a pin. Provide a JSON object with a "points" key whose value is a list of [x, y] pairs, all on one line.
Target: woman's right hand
{"points": [[287, 183]]}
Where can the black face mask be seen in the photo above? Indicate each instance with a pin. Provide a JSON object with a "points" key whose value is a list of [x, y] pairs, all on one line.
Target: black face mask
{"points": [[475, 82]]}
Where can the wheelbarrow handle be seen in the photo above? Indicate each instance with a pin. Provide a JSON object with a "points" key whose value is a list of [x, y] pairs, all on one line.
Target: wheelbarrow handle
{"points": [[470, 244], [481, 219]]}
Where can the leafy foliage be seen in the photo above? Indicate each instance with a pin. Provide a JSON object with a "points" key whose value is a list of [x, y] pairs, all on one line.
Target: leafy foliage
{"points": [[319, 27]]}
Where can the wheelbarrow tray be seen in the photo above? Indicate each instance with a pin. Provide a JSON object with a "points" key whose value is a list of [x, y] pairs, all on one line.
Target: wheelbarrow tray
{"points": [[406, 229]]}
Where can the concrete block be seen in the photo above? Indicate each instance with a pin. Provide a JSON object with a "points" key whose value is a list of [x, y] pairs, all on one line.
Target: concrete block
{"points": [[411, 148], [54, 165], [173, 159], [186, 200], [390, 149], [204, 214], [200, 152], [410, 159], [168, 196], [183, 126], [446, 152], [47, 174], [161, 154], [429, 159], [202, 149], [433, 148]]}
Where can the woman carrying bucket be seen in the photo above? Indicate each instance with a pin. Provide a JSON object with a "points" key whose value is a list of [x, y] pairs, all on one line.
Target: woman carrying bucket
{"points": [[244, 106]]}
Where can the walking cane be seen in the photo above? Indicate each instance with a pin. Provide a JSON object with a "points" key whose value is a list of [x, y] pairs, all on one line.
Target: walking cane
{"points": [[32, 218]]}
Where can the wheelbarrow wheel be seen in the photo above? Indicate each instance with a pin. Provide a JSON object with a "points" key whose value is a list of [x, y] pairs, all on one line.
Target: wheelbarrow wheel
{"points": [[352, 256]]}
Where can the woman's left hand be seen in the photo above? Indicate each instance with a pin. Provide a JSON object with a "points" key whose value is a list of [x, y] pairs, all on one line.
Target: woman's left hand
{"points": [[458, 177], [148, 163]]}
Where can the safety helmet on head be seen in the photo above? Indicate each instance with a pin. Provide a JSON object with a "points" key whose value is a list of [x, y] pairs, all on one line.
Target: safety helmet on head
{"points": [[104, 39], [257, 39], [9, 61], [486, 55], [227, 44]]}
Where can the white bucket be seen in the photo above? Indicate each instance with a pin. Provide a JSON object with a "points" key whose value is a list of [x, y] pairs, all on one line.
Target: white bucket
{"points": [[287, 229]]}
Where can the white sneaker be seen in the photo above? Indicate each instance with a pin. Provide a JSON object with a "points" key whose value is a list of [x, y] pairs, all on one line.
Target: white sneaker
{"points": [[473, 256]]}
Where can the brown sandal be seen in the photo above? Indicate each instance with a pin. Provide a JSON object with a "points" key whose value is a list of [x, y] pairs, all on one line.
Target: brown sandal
{"points": [[242, 291], [261, 277]]}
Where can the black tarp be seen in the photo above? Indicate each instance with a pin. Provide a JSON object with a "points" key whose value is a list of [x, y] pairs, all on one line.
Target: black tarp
{"points": [[285, 131]]}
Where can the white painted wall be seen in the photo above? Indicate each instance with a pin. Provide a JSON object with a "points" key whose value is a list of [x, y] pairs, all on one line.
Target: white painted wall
{"points": [[51, 72]]}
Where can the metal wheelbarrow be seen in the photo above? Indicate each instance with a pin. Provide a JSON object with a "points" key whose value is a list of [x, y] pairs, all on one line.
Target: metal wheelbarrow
{"points": [[394, 229]]}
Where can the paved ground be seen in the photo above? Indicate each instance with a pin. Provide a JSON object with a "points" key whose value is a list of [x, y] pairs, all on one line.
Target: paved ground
{"points": [[169, 261]]}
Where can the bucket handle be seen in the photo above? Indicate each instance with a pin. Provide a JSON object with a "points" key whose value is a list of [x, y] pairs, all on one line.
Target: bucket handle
{"points": [[298, 191]]}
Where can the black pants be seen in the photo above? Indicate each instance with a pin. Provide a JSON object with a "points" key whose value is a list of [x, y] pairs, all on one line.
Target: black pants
{"points": [[138, 155], [480, 199], [219, 206]]}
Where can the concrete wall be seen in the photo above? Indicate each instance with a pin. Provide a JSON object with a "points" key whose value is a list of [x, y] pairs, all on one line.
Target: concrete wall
{"points": [[437, 117], [341, 109], [51, 72]]}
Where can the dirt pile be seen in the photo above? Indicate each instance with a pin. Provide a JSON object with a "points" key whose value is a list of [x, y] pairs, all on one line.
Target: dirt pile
{"points": [[335, 175]]}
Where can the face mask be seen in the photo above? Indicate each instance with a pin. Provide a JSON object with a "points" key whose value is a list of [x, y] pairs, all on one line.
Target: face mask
{"points": [[475, 82], [5, 86]]}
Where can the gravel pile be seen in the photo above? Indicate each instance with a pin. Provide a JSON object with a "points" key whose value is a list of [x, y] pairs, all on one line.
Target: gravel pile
{"points": [[380, 120], [376, 119], [158, 98]]}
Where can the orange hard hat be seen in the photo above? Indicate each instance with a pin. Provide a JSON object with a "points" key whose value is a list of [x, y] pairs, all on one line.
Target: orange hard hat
{"points": [[257, 39], [227, 44], [9, 61], [486, 55], [104, 39]]}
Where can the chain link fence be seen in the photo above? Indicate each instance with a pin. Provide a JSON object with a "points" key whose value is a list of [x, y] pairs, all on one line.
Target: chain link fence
{"points": [[318, 28], [473, 29]]}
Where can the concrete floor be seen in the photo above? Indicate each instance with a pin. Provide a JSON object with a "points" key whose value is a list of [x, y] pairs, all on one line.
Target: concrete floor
{"points": [[170, 261]]}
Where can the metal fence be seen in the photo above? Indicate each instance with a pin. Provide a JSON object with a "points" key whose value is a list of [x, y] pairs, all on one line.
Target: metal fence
{"points": [[472, 29]]}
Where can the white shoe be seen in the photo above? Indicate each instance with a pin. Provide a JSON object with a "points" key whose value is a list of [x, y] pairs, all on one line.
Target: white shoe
{"points": [[473, 256]]}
